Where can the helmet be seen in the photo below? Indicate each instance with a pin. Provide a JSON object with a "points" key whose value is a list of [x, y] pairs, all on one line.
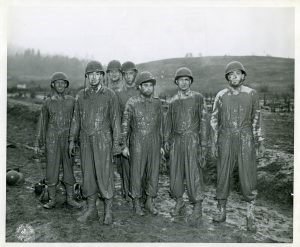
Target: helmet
{"points": [[114, 64], [14, 178], [145, 76], [234, 65], [128, 66], [183, 71], [59, 76], [94, 66]]}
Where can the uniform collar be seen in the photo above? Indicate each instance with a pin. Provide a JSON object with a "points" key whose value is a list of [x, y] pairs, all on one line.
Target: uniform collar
{"points": [[56, 96], [146, 99], [90, 90], [235, 91], [185, 93]]}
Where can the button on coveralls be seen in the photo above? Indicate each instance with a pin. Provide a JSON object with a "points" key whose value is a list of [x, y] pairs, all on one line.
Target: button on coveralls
{"points": [[96, 121], [186, 133], [235, 122], [142, 125], [53, 131]]}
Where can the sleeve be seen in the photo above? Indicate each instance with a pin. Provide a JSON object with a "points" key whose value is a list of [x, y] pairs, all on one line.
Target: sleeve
{"points": [[256, 119], [42, 126], [203, 122], [115, 121], [126, 122], [75, 123], [168, 123], [215, 119]]}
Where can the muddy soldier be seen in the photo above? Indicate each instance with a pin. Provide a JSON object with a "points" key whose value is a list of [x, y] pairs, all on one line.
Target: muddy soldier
{"points": [[235, 122], [142, 129], [96, 125], [185, 140], [129, 71], [114, 72], [53, 132]]}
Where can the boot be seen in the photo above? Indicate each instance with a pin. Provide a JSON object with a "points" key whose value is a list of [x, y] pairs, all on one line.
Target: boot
{"points": [[221, 214], [70, 197], [91, 211], [52, 194], [178, 207], [149, 205], [197, 211], [137, 207], [250, 219], [108, 219]]}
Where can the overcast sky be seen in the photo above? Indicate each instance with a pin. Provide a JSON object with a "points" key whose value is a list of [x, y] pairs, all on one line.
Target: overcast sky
{"points": [[150, 33]]}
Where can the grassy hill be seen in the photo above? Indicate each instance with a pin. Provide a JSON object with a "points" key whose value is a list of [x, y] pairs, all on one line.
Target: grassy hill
{"points": [[277, 74]]}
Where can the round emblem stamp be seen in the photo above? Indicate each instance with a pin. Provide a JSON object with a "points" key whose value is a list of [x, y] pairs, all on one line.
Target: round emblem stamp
{"points": [[25, 233]]}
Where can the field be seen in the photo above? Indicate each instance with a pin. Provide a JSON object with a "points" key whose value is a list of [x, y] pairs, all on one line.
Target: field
{"points": [[274, 213]]}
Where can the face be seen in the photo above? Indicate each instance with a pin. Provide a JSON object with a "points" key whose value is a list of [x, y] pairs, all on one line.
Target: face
{"points": [[60, 86], [115, 75], [129, 76], [147, 88], [235, 78], [184, 83], [95, 78]]}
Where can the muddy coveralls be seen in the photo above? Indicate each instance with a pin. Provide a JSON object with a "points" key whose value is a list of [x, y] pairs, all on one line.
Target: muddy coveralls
{"points": [[96, 125], [53, 131], [235, 122], [186, 132], [124, 166], [142, 127]]}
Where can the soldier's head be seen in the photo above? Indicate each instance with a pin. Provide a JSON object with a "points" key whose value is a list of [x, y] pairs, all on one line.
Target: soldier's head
{"points": [[235, 73], [145, 82], [129, 71], [94, 73], [183, 78], [59, 82], [114, 70]]}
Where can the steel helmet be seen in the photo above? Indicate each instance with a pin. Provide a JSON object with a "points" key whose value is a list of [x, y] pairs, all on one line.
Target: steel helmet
{"points": [[114, 64], [183, 71], [128, 66], [94, 66], [234, 65], [14, 178], [145, 76], [59, 76]]}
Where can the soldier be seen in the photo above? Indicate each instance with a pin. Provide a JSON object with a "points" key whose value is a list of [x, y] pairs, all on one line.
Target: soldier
{"points": [[96, 124], [235, 122], [143, 120], [114, 72], [185, 139], [129, 71], [53, 132]]}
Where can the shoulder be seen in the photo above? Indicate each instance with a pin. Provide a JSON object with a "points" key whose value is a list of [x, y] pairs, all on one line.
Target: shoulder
{"points": [[69, 97], [80, 93], [248, 90], [174, 98], [108, 91], [222, 93], [197, 94]]}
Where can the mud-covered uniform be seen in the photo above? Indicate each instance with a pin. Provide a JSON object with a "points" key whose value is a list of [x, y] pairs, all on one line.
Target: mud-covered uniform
{"points": [[96, 124], [116, 86], [186, 132], [53, 132], [124, 165], [142, 127], [235, 122]]}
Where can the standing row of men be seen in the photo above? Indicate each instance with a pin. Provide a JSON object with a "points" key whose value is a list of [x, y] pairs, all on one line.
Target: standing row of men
{"points": [[123, 123]]}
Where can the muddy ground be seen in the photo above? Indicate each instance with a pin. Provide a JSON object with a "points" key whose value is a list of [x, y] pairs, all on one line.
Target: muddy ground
{"points": [[274, 214]]}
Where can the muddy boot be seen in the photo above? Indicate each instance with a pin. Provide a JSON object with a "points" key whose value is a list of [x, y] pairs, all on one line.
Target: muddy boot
{"points": [[70, 199], [250, 219], [178, 207], [149, 205], [137, 207], [221, 213], [108, 219], [52, 194], [91, 211]]}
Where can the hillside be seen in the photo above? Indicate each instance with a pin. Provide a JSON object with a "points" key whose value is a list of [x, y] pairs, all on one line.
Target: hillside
{"points": [[276, 73]]}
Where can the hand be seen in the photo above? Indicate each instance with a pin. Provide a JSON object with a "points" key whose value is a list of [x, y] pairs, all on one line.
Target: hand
{"points": [[36, 151], [71, 148], [167, 147], [125, 152], [261, 149], [214, 151], [162, 152]]}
